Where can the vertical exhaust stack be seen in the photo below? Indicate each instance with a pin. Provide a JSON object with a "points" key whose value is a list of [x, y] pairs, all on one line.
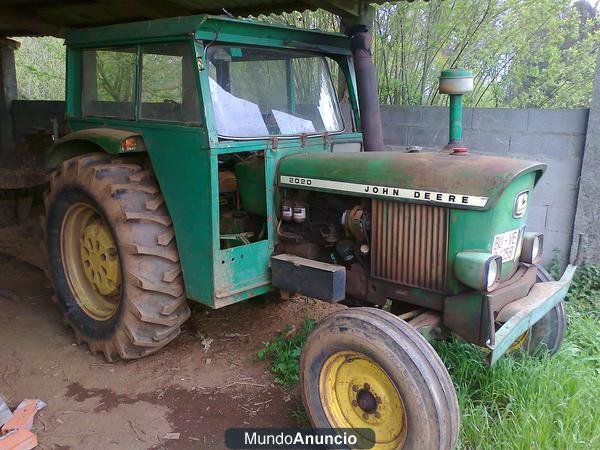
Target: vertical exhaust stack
{"points": [[366, 81], [455, 83]]}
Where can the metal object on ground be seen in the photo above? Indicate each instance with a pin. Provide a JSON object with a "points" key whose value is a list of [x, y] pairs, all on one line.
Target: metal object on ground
{"points": [[308, 277]]}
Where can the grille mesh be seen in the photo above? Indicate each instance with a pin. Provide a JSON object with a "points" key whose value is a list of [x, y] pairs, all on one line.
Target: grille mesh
{"points": [[409, 244]]}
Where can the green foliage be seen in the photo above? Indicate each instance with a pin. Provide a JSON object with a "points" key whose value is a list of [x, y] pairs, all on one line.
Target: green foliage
{"points": [[284, 353], [40, 64], [115, 74], [584, 295], [556, 265], [300, 416], [524, 53]]}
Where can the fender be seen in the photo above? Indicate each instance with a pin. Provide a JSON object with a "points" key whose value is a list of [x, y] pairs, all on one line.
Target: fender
{"points": [[109, 140]]}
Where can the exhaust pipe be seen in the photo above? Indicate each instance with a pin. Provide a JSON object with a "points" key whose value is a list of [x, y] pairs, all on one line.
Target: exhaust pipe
{"points": [[366, 82]]}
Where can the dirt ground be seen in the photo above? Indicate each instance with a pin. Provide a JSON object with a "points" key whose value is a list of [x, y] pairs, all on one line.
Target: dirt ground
{"points": [[204, 382]]}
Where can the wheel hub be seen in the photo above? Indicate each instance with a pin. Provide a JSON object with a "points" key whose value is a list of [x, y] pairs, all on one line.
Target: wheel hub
{"points": [[91, 261], [100, 259], [366, 401], [357, 393]]}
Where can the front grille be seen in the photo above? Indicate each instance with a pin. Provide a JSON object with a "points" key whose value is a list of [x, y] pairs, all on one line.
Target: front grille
{"points": [[409, 244]]}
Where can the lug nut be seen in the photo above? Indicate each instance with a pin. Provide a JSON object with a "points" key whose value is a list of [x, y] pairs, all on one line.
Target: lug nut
{"points": [[367, 387], [365, 416], [355, 388], [377, 415], [354, 403], [378, 400]]}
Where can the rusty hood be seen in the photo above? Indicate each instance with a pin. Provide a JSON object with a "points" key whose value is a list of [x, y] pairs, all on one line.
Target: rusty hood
{"points": [[463, 181]]}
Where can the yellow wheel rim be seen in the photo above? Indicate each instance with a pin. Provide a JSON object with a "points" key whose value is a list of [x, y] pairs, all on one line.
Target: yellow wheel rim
{"points": [[357, 393], [91, 261], [520, 342]]}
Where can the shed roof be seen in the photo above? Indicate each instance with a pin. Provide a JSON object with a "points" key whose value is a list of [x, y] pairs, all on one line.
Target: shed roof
{"points": [[55, 17], [210, 28]]}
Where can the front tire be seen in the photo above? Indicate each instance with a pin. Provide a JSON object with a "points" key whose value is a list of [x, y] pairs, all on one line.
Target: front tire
{"points": [[546, 336], [112, 256], [366, 368]]}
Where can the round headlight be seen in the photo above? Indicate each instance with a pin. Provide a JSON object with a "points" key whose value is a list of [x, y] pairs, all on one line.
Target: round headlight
{"points": [[532, 247], [535, 248], [492, 274]]}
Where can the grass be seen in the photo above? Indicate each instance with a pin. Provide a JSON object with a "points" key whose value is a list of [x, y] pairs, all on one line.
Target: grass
{"points": [[284, 353], [528, 403]]}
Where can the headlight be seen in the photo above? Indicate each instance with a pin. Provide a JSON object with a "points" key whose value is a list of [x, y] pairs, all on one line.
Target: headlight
{"points": [[480, 271], [492, 274], [531, 251]]}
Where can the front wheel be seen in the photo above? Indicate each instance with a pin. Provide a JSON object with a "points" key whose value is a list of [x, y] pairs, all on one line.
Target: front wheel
{"points": [[363, 368], [546, 335]]}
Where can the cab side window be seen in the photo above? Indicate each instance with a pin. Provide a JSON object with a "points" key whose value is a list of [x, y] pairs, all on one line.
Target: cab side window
{"points": [[168, 90], [109, 82]]}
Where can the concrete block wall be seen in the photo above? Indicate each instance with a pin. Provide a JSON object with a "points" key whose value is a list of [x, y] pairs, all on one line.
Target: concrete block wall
{"points": [[555, 137]]}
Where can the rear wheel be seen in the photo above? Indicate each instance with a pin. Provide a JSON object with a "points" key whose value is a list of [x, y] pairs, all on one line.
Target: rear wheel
{"points": [[546, 335], [112, 255], [366, 368]]}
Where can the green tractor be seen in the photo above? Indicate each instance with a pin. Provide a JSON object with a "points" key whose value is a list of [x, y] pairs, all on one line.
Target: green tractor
{"points": [[210, 159]]}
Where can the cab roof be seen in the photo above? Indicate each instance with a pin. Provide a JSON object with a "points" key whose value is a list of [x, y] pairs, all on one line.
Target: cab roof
{"points": [[209, 28]]}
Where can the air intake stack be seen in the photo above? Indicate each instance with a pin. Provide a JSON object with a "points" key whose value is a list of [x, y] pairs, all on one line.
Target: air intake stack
{"points": [[455, 83]]}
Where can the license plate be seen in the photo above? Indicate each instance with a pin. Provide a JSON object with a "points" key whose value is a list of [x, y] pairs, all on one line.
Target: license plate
{"points": [[506, 244]]}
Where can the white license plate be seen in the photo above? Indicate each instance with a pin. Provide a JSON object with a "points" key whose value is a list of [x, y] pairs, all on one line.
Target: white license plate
{"points": [[506, 244]]}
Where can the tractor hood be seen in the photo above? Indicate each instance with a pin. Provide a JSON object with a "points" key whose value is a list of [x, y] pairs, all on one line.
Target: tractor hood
{"points": [[462, 181]]}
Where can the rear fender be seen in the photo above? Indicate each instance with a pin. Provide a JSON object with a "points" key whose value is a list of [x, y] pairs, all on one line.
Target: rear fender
{"points": [[91, 140]]}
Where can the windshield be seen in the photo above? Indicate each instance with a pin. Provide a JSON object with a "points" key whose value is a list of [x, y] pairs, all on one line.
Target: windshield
{"points": [[265, 92]]}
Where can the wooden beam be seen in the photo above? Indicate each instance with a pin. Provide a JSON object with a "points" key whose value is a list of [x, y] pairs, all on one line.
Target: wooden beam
{"points": [[11, 20]]}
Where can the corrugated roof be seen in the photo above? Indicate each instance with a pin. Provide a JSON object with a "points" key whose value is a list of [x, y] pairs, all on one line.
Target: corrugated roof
{"points": [[54, 17]]}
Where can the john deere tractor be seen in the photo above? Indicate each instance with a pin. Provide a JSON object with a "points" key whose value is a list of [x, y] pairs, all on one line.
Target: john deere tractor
{"points": [[210, 159]]}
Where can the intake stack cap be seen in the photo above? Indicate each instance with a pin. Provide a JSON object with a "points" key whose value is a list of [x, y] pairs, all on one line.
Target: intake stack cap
{"points": [[456, 81]]}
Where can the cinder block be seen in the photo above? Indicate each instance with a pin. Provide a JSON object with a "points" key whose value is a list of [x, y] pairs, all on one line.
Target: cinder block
{"points": [[558, 120], [536, 218], [486, 142], [395, 134], [555, 146], [438, 117], [555, 241], [563, 171], [560, 219], [499, 119], [401, 115], [427, 137], [553, 194]]}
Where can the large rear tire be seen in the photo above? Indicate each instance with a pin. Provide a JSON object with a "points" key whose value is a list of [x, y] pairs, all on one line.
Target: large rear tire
{"points": [[366, 368], [112, 255]]}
